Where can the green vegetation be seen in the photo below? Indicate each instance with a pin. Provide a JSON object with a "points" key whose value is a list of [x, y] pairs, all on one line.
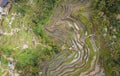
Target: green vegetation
{"points": [[29, 15], [107, 27]]}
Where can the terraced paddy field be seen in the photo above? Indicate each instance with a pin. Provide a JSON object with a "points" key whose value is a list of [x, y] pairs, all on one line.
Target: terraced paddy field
{"points": [[60, 38], [72, 30]]}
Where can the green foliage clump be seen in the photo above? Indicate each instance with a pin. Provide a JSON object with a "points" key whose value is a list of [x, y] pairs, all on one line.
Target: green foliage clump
{"points": [[29, 60], [110, 9], [28, 57], [6, 50]]}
